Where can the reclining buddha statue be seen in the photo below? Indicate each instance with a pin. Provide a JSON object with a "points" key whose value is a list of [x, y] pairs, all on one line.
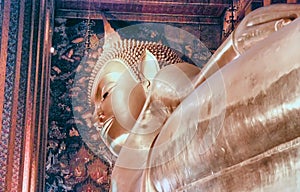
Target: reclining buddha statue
{"points": [[232, 126]]}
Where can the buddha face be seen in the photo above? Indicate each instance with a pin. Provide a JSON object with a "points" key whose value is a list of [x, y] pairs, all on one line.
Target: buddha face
{"points": [[118, 99]]}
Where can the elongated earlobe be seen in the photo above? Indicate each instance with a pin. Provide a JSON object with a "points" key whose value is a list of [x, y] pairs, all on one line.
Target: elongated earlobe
{"points": [[149, 65]]}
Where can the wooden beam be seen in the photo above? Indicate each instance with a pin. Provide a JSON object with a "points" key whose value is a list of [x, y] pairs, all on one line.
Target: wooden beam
{"points": [[196, 9], [122, 16], [291, 1]]}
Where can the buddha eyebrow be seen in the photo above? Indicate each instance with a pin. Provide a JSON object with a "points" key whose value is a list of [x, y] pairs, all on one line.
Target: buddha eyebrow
{"points": [[107, 88]]}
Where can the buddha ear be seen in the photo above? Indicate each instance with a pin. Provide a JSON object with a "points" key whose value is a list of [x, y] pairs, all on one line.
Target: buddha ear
{"points": [[149, 65]]}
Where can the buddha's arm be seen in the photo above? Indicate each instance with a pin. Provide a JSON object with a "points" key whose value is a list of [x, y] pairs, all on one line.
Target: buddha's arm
{"points": [[240, 115], [255, 27], [174, 172], [166, 93]]}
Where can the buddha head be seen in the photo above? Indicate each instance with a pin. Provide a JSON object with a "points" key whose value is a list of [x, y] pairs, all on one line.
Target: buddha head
{"points": [[120, 82]]}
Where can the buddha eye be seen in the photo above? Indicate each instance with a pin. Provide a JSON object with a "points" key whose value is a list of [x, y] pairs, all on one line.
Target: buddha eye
{"points": [[107, 90], [105, 95]]}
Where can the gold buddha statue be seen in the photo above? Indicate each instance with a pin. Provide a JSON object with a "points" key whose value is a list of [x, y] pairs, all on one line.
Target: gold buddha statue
{"points": [[122, 78], [174, 127]]}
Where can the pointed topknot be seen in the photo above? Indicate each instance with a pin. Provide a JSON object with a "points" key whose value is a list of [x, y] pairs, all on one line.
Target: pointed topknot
{"points": [[110, 35]]}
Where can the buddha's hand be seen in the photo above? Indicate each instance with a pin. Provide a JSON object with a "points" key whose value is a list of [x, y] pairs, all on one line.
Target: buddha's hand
{"points": [[260, 23]]}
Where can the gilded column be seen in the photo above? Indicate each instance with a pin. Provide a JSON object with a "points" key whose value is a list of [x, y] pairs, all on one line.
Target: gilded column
{"points": [[24, 37]]}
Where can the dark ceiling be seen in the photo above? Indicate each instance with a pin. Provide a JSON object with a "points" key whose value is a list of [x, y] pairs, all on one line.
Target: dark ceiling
{"points": [[173, 11], [203, 18]]}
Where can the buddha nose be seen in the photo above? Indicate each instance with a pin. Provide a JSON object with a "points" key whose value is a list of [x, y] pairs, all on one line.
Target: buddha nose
{"points": [[101, 116], [98, 116]]}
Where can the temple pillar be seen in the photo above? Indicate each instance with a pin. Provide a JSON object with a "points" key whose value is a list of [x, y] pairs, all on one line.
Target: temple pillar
{"points": [[267, 2], [25, 37]]}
